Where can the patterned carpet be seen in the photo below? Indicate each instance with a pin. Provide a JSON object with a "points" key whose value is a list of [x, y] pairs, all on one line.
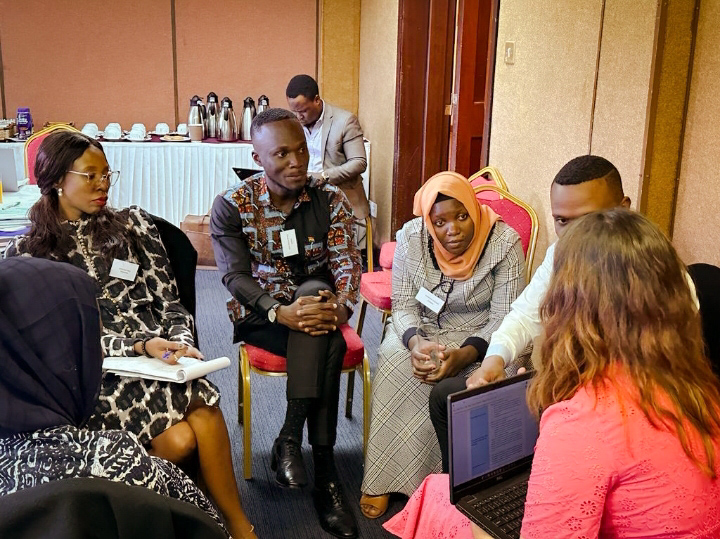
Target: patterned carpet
{"points": [[279, 513]]}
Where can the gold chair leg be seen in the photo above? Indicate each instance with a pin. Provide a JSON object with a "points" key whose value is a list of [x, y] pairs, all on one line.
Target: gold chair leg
{"points": [[367, 400], [247, 415], [350, 393]]}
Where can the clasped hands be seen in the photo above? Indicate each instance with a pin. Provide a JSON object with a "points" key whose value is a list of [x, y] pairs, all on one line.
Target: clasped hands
{"points": [[315, 315], [452, 360]]}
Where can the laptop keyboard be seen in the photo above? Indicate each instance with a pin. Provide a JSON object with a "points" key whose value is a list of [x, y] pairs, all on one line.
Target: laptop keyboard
{"points": [[505, 509]]}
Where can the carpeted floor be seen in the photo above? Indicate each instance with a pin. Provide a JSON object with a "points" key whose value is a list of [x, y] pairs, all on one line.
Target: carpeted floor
{"points": [[279, 513]]}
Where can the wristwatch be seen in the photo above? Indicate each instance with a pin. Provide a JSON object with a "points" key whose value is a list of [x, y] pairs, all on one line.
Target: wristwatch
{"points": [[272, 313], [325, 176]]}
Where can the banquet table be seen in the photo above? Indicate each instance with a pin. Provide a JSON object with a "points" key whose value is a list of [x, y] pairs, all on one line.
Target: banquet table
{"points": [[172, 179]]}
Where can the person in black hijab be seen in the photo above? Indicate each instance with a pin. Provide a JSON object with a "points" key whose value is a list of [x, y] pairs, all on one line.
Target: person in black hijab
{"points": [[49, 344], [51, 359]]}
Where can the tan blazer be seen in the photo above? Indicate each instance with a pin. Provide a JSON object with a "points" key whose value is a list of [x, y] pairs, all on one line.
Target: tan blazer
{"points": [[344, 158]]}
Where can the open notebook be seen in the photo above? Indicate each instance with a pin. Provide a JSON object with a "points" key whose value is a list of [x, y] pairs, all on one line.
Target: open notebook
{"points": [[187, 368]]}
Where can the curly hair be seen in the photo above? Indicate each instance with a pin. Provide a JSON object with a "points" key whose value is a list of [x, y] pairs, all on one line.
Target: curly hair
{"points": [[619, 298], [109, 234]]}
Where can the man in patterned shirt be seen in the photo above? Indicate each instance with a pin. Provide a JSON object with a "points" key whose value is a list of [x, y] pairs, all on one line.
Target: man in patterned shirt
{"points": [[284, 245]]}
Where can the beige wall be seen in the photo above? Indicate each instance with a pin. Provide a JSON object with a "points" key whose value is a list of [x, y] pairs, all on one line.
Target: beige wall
{"points": [[545, 110], [697, 219], [339, 52], [378, 63]]}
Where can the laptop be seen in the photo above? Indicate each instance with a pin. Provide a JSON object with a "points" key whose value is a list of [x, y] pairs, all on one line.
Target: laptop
{"points": [[8, 171], [491, 442]]}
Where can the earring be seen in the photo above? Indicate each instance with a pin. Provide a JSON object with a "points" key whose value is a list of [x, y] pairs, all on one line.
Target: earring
{"points": [[59, 190]]}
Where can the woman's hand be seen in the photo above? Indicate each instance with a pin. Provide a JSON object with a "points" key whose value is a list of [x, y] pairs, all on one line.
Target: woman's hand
{"points": [[452, 362], [420, 350], [168, 351]]}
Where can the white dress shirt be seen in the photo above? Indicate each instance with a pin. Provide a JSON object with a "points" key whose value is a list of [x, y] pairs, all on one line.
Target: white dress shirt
{"points": [[313, 136], [522, 324]]}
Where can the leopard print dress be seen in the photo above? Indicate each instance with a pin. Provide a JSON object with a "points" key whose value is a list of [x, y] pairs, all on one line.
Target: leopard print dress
{"points": [[134, 310]]}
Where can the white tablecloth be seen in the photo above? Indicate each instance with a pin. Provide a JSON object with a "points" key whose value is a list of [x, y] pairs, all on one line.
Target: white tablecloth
{"points": [[173, 179]]}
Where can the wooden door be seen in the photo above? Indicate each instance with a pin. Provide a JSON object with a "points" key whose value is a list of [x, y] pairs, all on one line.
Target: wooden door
{"points": [[426, 33], [472, 92]]}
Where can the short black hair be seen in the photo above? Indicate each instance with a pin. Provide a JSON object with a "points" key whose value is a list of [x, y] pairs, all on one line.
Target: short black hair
{"points": [[303, 85], [590, 167], [269, 116]]}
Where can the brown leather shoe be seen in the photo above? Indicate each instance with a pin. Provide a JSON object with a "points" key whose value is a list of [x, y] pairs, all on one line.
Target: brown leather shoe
{"points": [[374, 506]]}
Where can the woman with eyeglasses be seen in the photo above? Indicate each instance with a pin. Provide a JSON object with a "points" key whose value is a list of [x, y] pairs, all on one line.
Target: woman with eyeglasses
{"points": [[140, 310], [457, 268]]}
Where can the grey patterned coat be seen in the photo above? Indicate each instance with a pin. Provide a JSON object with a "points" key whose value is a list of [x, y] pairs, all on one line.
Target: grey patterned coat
{"points": [[402, 447]]}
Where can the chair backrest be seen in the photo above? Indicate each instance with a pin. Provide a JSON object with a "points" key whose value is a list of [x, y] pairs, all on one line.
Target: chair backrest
{"points": [[32, 145], [707, 287], [488, 176], [518, 215], [183, 259], [387, 253]]}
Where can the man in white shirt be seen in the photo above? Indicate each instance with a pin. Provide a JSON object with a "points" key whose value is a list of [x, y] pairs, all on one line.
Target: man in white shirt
{"points": [[334, 139], [584, 185]]}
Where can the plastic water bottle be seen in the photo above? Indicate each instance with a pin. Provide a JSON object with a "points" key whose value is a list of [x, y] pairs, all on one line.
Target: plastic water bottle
{"points": [[24, 123]]}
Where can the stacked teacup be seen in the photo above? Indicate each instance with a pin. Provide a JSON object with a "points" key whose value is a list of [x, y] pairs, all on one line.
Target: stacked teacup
{"points": [[137, 132], [91, 130], [112, 131]]}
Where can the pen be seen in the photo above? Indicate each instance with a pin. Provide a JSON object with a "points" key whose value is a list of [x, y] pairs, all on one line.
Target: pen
{"points": [[10, 205]]}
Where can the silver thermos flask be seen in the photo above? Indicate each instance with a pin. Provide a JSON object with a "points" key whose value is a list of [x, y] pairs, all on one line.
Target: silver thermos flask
{"points": [[213, 111], [226, 125], [247, 118], [263, 103]]}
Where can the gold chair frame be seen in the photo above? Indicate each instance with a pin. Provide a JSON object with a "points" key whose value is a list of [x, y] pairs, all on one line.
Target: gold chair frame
{"points": [[530, 256], [494, 173]]}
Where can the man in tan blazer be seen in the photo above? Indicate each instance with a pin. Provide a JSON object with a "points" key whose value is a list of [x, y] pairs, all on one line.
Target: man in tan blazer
{"points": [[335, 141]]}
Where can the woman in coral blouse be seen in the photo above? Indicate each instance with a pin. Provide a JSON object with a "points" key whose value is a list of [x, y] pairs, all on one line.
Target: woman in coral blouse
{"points": [[629, 441]]}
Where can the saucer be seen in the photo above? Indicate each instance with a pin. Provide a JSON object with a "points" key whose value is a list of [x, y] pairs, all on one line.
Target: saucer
{"points": [[175, 138], [147, 138]]}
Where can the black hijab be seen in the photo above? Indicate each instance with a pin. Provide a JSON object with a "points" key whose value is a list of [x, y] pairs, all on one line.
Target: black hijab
{"points": [[50, 353]]}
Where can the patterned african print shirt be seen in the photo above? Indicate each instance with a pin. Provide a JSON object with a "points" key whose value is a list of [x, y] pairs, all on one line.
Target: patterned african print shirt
{"points": [[246, 227]]}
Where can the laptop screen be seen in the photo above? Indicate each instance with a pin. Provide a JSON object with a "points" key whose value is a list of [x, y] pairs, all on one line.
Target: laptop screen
{"points": [[491, 430]]}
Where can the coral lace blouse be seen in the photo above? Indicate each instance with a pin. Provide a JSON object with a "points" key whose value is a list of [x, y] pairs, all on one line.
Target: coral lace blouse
{"points": [[602, 470]]}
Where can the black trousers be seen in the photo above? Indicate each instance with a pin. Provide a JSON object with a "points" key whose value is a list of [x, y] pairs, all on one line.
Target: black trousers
{"points": [[314, 364], [439, 413]]}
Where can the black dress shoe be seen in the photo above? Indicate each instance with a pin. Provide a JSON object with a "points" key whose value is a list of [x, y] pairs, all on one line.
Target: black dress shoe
{"points": [[287, 463], [335, 515]]}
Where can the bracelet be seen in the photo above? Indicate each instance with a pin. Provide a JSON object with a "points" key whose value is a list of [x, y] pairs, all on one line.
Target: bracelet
{"points": [[143, 348]]}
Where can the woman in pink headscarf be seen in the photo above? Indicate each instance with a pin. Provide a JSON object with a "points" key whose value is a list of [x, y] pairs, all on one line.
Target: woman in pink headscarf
{"points": [[457, 269]]}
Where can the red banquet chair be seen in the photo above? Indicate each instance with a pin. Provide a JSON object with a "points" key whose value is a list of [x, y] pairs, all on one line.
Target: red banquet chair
{"points": [[32, 145], [255, 359], [518, 215]]}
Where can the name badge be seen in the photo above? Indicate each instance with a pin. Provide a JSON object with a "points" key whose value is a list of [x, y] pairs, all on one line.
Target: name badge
{"points": [[123, 270], [430, 300], [289, 242]]}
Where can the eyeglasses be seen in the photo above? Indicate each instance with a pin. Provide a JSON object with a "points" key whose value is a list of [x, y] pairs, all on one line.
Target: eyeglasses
{"points": [[91, 177]]}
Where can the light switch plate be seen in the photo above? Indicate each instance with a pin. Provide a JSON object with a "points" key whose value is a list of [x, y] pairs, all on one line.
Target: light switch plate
{"points": [[373, 209], [509, 52]]}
